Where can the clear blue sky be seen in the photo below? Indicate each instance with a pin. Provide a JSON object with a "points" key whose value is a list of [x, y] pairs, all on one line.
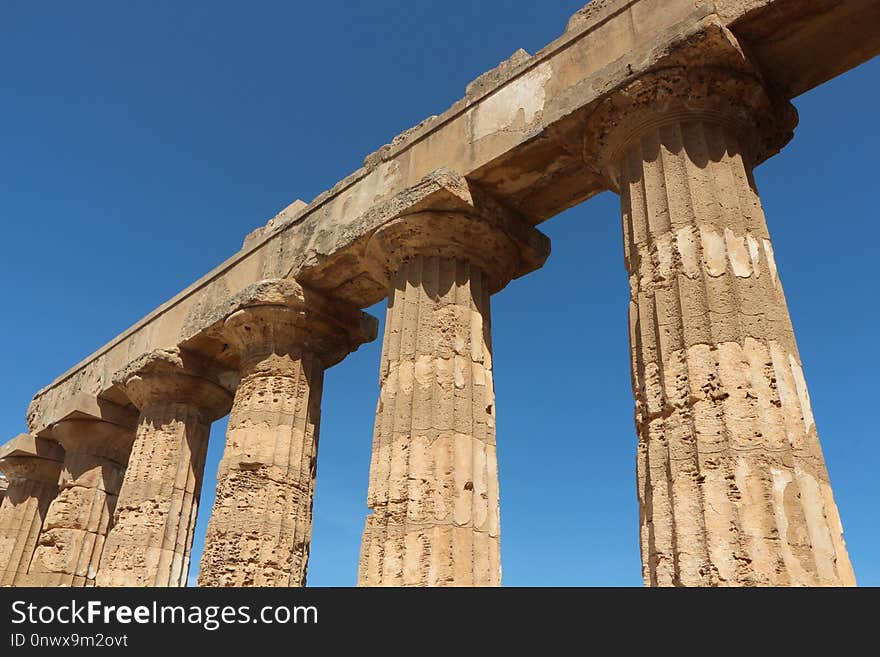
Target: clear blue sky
{"points": [[140, 141]]}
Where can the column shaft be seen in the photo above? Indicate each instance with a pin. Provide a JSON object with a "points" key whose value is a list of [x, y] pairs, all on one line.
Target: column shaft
{"points": [[80, 517], [433, 487], [732, 484], [261, 524], [33, 483], [155, 517]]}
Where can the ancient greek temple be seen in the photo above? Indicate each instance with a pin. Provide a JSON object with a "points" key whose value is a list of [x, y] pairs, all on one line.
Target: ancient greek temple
{"points": [[670, 104]]}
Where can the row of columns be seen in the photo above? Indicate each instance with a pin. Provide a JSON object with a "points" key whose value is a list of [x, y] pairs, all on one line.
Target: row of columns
{"points": [[732, 485]]}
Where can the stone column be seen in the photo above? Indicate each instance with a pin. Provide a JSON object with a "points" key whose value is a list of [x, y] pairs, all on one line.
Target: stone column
{"points": [[732, 484], [155, 516], [76, 525], [433, 487], [31, 466], [284, 336]]}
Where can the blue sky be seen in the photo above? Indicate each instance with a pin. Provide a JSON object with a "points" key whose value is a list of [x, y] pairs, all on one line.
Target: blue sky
{"points": [[139, 143]]}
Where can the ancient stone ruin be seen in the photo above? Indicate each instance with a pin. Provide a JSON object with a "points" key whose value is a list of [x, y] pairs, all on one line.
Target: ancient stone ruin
{"points": [[671, 104]]}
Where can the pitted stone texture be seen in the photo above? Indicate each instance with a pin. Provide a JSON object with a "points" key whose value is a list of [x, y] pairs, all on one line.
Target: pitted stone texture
{"points": [[155, 515], [732, 484], [433, 486], [261, 524], [734, 98], [446, 235], [32, 484], [277, 316], [174, 374], [81, 515]]}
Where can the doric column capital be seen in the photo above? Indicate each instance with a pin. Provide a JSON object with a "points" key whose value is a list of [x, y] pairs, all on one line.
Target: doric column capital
{"points": [[30, 468], [736, 99], [499, 245], [27, 458], [94, 437], [173, 376], [274, 320]]}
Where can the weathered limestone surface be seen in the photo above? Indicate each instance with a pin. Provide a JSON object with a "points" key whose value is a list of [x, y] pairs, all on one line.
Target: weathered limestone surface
{"points": [[77, 522], [155, 515], [31, 466], [433, 488], [732, 484], [284, 336], [514, 134], [672, 103]]}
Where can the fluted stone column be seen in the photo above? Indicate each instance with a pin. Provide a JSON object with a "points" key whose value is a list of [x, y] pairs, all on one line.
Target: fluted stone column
{"points": [[732, 484], [260, 529], [433, 487], [31, 466], [149, 543], [76, 525]]}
